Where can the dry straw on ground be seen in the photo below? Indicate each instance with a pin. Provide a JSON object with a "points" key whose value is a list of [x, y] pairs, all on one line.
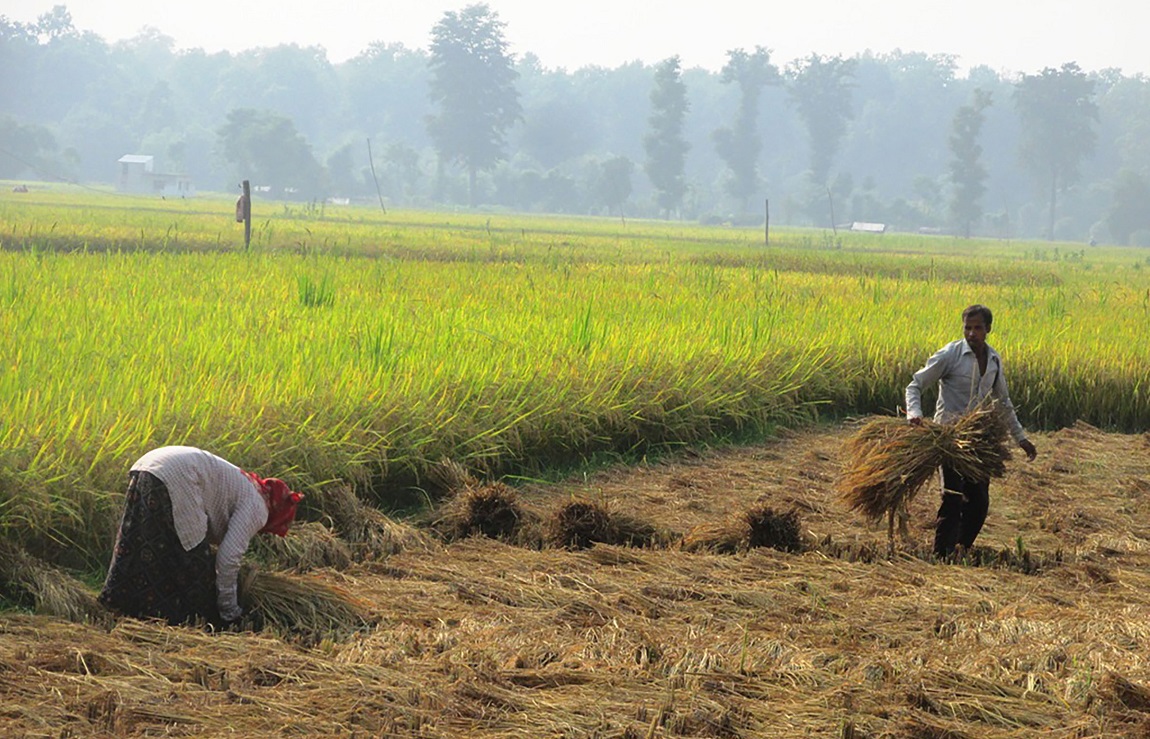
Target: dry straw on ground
{"points": [[891, 460], [47, 589], [484, 639]]}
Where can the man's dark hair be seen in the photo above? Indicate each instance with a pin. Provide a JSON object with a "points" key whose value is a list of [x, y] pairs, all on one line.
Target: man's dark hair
{"points": [[979, 310]]}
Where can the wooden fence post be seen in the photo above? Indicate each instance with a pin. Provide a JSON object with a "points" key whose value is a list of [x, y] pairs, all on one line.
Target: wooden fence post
{"points": [[767, 227], [247, 214]]}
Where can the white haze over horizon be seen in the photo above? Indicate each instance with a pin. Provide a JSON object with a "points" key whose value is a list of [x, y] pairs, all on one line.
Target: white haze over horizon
{"points": [[1009, 36]]}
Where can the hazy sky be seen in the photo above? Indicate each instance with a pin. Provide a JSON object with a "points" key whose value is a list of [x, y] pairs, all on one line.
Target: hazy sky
{"points": [[1007, 35]]}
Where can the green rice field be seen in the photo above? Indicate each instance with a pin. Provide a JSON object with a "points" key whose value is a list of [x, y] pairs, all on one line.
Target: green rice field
{"points": [[351, 345]]}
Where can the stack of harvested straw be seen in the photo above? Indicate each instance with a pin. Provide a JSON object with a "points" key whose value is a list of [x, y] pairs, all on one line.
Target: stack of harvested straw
{"points": [[490, 510], [758, 526], [307, 546], [580, 524], [890, 459], [49, 590]]}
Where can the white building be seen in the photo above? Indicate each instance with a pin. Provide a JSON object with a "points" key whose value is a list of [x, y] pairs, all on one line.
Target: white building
{"points": [[138, 175]]}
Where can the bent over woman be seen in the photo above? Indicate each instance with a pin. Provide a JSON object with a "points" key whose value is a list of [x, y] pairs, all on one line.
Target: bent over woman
{"points": [[188, 519]]}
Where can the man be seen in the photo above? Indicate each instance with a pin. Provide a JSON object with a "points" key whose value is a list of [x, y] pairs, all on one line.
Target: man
{"points": [[966, 371]]}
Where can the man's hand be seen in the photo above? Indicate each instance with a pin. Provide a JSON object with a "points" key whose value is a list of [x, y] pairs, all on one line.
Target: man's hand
{"points": [[1028, 447]]}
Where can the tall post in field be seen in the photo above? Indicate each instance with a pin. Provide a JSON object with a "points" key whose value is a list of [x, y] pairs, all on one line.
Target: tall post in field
{"points": [[247, 214], [767, 222]]}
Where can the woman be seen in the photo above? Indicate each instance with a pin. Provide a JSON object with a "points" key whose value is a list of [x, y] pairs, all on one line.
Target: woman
{"points": [[182, 502]]}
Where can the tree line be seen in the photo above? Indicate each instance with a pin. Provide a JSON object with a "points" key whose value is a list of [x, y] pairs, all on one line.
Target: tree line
{"points": [[899, 138]]}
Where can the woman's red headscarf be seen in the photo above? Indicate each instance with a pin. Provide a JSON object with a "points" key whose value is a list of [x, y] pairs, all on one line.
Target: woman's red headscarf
{"points": [[281, 502]]}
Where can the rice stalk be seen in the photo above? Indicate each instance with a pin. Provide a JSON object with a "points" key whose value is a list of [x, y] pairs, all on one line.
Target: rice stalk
{"points": [[1115, 692], [578, 525], [369, 531], [450, 476], [758, 526]]}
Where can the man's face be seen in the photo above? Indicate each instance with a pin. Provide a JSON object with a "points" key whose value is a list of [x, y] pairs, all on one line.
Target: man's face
{"points": [[974, 330]]}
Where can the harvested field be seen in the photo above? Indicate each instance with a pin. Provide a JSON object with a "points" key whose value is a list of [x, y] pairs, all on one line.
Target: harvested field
{"points": [[1045, 633]]}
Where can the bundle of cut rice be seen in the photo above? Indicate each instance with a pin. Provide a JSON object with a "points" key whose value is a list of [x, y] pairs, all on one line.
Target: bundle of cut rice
{"points": [[49, 590], [758, 526], [578, 525], [490, 510], [450, 476], [890, 459], [298, 605]]}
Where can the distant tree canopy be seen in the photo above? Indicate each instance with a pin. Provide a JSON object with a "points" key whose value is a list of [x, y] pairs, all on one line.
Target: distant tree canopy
{"points": [[265, 147], [664, 143], [1130, 212], [1057, 110], [820, 88], [967, 175], [873, 133], [613, 184], [26, 150], [473, 83], [739, 145]]}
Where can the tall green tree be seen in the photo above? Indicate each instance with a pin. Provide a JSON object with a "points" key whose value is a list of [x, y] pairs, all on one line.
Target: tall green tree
{"points": [[26, 149], [740, 144], [665, 146], [967, 174], [1057, 112], [1130, 210], [612, 184], [820, 88], [473, 83], [265, 147]]}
